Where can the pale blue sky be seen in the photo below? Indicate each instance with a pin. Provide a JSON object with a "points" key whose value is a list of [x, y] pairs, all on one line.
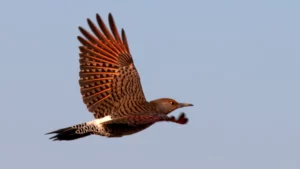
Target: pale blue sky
{"points": [[238, 62]]}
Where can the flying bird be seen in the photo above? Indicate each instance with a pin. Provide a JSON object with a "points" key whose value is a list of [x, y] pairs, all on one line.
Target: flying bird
{"points": [[111, 88]]}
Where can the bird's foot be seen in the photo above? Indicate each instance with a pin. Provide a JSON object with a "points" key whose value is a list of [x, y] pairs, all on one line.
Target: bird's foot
{"points": [[181, 119]]}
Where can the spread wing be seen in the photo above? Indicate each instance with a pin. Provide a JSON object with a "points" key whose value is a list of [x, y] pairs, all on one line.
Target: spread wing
{"points": [[108, 77], [147, 119]]}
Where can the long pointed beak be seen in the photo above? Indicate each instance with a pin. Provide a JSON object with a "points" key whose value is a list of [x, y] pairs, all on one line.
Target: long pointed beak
{"points": [[185, 104]]}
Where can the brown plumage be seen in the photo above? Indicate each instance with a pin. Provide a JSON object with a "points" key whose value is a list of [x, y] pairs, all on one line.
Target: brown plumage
{"points": [[111, 89]]}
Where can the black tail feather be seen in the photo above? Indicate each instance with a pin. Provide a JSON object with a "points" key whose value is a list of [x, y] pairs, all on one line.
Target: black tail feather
{"points": [[67, 133]]}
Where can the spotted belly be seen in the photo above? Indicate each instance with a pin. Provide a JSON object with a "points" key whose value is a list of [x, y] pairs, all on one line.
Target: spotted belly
{"points": [[119, 130]]}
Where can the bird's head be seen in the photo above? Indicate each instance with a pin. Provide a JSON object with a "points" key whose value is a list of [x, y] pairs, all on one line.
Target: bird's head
{"points": [[167, 105]]}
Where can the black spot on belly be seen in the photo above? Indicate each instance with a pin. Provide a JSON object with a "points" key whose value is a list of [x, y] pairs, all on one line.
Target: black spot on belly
{"points": [[117, 130]]}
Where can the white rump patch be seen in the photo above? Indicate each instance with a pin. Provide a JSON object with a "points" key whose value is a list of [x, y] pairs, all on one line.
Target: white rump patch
{"points": [[99, 121]]}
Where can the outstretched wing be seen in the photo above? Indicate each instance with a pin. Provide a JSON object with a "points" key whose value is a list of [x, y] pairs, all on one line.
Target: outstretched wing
{"points": [[147, 119], [108, 77]]}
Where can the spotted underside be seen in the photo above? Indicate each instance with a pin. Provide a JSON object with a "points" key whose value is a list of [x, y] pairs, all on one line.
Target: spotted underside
{"points": [[109, 81]]}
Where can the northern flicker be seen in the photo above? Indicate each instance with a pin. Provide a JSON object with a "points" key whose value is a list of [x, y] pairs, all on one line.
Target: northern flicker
{"points": [[111, 89]]}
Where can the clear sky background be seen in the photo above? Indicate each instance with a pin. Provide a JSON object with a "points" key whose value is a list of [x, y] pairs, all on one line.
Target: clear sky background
{"points": [[237, 61]]}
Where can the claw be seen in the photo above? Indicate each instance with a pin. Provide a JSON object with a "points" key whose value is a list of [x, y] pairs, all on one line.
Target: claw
{"points": [[182, 119]]}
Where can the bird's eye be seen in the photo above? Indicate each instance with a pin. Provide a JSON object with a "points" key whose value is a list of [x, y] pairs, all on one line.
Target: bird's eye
{"points": [[172, 103]]}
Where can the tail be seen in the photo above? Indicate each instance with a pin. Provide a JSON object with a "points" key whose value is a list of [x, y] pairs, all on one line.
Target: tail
{"points": [[71, 133]]}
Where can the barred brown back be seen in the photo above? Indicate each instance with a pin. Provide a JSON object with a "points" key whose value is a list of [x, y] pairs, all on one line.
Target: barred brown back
{"points": [[108, 77]]}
